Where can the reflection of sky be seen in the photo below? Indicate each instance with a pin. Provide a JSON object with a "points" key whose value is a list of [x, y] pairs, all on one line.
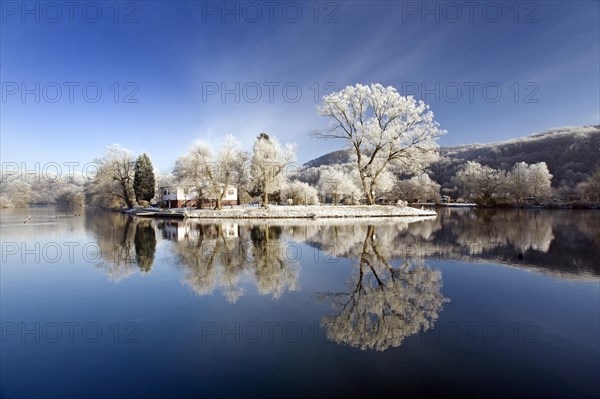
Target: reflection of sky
{"points": [[172, 320]]}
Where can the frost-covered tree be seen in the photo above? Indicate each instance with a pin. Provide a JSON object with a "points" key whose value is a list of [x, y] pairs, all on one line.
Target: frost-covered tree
{"points": [[383, 185], [590, 187], [222, 174], [17, 194], [269, 161], [484, 184], [163, 179], [143, 179], [529, 180], [241, 177], [539, 179], [337, 182], [210, 173], [419, 188], [518, 181], [113, 179], [70, 196], [190, 169], [299, 193], [19, 189], [383, 129]]}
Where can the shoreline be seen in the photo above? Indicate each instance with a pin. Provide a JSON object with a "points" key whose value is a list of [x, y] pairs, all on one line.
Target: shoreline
{"points": [[576, 205], [293, 212]]}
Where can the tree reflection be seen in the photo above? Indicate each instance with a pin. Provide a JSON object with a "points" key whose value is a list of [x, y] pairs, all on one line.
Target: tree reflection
{"points": [[124, 243], [384, 303], [522, 230], [274, 275], [219, 256], [559, 242], [212, 256], [145, 245]]}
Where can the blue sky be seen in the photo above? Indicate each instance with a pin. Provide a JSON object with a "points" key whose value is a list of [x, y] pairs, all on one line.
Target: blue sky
{"points": [[174, 59]]}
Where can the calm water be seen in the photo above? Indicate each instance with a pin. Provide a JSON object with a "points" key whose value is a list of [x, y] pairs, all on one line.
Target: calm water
{"points": [[471, 303]]}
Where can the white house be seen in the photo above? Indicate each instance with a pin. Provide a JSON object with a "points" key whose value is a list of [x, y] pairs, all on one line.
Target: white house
{"points": [[186, 197], [178, 196]]}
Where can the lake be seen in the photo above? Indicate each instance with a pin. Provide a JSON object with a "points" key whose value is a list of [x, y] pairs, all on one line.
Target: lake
{"points": [[472, 303]]}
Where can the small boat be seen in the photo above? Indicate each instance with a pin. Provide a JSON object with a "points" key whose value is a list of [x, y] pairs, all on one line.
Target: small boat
{"points": [[457, 204], [169, 214], [145, 214]]}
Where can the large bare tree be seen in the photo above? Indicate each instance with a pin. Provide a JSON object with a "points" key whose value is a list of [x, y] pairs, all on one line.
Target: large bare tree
{"points": [[113, 179], [383, 129]]}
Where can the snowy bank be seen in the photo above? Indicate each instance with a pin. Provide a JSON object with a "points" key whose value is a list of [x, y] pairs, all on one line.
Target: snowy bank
{"points": [[310, 212]]}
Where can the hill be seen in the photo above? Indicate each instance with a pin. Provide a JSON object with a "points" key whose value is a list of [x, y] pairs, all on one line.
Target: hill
{"points": [[331, 158], [570, 153]]}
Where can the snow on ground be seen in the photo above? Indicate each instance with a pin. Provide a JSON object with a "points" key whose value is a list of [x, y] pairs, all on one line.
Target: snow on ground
{"points": [[311, 211], [399, 222]]}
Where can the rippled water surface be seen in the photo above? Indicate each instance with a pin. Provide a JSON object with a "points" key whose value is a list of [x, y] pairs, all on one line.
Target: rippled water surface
{"points": [[490, 303]]}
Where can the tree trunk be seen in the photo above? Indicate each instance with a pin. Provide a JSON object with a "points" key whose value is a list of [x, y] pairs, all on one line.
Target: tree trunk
{"points": [[370, 197], [265, 203], [367, 189], [127, 198], [220, 199]]}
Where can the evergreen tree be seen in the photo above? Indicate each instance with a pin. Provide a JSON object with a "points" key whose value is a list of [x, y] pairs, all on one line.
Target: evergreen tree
{"points": [[143, 179]]}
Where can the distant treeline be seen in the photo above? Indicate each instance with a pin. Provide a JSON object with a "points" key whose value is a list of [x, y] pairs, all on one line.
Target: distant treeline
{"points": [[571, 155], [558, 167], [19, 190]]}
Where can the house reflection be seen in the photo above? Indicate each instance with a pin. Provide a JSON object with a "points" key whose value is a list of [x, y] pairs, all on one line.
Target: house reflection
{"points": [[224, 255], [392, 294], [175, 230]]}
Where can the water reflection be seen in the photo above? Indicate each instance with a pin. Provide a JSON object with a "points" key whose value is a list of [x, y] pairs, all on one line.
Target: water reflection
{"points": [[390, 297], [274, 273], [563, 243], [145, 245], [522, 230], [391, 294], [125, 243], [384, 303], [211, 256], [220, 256]]}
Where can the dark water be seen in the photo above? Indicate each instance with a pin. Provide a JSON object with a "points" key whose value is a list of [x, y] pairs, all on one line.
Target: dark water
{"points": [[470, 304]]}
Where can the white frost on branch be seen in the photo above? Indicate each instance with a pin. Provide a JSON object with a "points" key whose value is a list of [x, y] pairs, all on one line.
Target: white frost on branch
{"points": [[385, 131]]}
